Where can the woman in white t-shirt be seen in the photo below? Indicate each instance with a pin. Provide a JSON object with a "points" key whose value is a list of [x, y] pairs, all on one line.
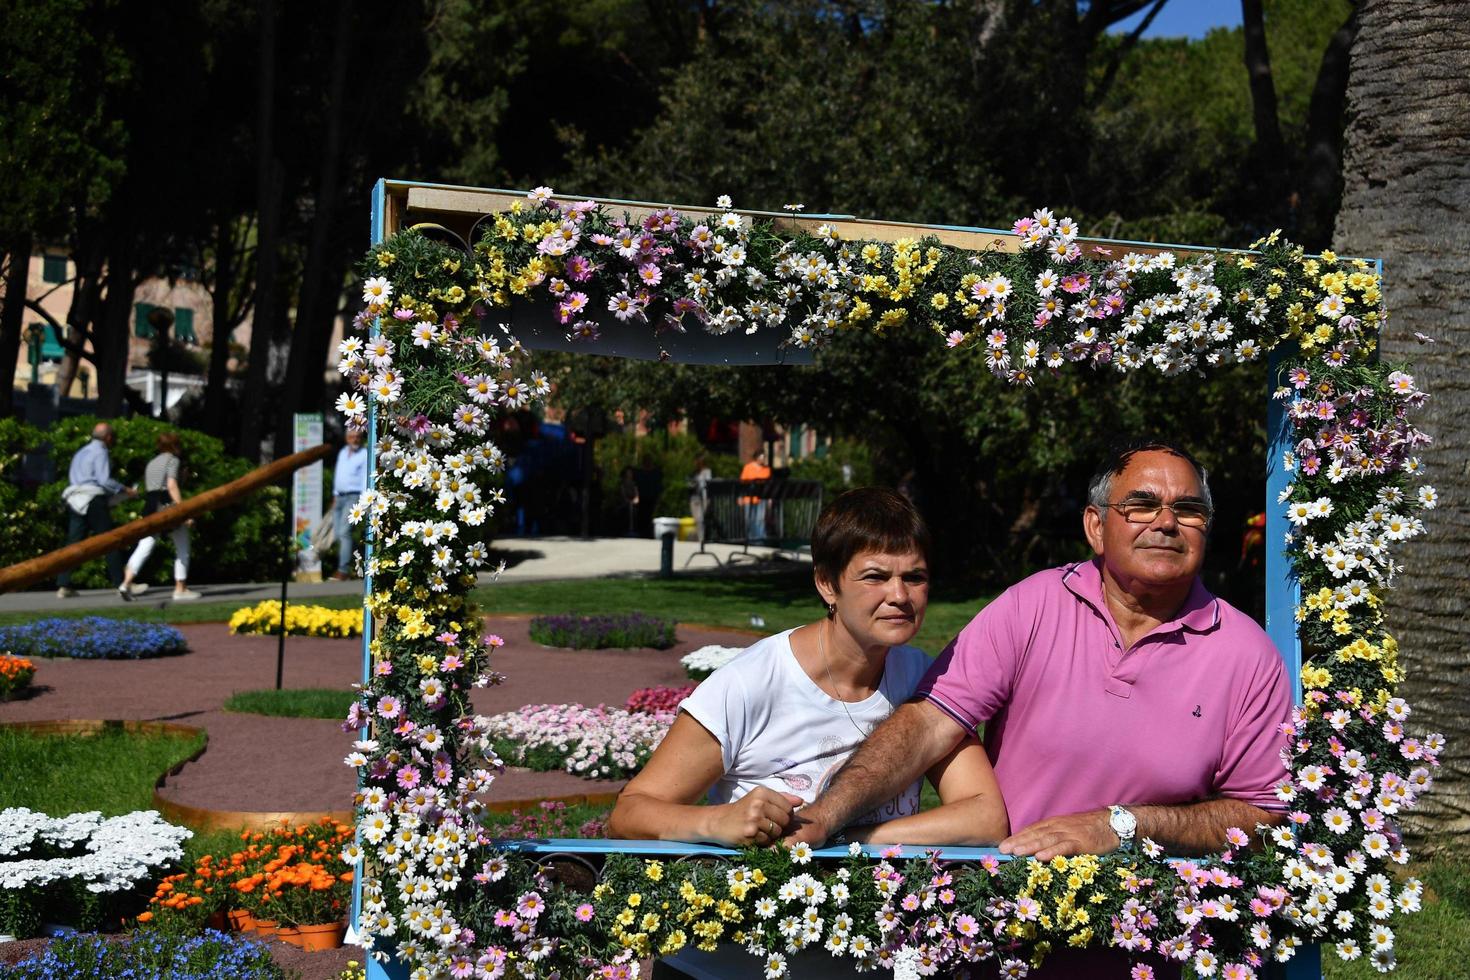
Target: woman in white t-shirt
{"points": [[766, 732]]}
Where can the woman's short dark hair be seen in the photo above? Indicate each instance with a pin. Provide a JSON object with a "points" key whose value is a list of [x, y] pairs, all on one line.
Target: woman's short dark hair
{"points": [[168, 442], [865, 519]]}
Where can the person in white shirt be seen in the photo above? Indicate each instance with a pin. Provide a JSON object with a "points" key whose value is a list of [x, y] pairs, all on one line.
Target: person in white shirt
{"points": [[349, 481], [765, 733]]}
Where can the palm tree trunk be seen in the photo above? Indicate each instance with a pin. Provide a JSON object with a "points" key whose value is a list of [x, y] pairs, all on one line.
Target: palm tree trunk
{"points": [[1406, 187]]}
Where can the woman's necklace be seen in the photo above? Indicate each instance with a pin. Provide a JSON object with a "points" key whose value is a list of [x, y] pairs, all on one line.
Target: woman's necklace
{"points": [[822, 646]]}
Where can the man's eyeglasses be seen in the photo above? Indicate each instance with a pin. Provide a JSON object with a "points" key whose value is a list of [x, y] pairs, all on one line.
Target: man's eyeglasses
{"points": [[1185, 513]]}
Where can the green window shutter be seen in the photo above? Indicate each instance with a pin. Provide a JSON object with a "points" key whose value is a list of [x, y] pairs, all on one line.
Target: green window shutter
{"points": [[53, 268], [51, 349], [184, 325], [141, 326]]}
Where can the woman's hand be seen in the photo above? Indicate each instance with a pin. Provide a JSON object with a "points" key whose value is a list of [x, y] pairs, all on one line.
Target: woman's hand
{"points": [[758, 818]]}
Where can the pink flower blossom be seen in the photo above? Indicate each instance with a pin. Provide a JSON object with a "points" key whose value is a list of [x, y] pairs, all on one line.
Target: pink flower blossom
{"points": [[408, 777], [584, 912]]}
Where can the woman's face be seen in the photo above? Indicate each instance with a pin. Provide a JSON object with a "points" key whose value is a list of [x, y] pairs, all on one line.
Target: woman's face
{"points": [[882, 597]]}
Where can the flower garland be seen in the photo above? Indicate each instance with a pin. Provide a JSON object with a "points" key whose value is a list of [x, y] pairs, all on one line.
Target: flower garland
{"points": [[435, 886]]}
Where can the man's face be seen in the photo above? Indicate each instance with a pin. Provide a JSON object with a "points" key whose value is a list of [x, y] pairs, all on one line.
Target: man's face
{"points": [[354, 437], [1162, 552]]}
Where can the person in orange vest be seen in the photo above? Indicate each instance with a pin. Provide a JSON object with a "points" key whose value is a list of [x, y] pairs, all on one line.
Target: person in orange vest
{"points": [[755, 507]]}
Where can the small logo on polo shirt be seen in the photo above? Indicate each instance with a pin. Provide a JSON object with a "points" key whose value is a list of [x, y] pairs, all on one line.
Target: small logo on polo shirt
{"points": [[1196, 711]]}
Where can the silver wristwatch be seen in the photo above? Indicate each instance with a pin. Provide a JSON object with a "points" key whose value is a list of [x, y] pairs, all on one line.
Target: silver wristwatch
{"points": [[1124, 824]]}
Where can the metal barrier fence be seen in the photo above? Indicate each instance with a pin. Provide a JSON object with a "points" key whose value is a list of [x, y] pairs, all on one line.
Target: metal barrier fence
{"points": [[777, 512]]}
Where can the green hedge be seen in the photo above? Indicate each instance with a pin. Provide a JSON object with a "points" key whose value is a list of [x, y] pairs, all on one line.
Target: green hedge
{"points": [[233, 544]]}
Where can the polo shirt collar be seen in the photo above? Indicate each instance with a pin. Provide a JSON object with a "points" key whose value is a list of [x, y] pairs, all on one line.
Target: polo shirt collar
{"points": [[1199, 614]]}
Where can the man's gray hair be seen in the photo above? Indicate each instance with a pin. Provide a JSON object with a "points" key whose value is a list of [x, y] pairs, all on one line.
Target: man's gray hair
{"points": [[1100, 487]]}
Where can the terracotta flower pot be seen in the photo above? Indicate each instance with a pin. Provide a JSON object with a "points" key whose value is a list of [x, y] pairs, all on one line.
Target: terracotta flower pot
{"points": [[241, 920], [267, 927], [325, 936], [289, 934]]}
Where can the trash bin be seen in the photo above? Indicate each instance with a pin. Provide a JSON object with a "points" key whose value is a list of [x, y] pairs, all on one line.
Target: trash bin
{"points": [[666, 529]]}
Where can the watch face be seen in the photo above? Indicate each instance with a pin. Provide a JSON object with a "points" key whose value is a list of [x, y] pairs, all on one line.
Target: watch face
{"points": [[1123, 822]]}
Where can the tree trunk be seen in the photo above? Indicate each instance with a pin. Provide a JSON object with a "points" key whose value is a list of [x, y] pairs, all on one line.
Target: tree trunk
{"points": [[1321, 179], [1269, 153], [110, 332], [321, 281], [216, 394], [1406, 184], [269, 189], [12, 317]]}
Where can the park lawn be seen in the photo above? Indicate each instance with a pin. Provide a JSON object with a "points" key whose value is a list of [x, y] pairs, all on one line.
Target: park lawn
{"points": [[111, 771], [313, 702], [780, 601]]}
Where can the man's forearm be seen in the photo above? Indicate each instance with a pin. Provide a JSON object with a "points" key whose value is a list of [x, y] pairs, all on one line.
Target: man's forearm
{"points": [[1199, 828], [903, 747]]}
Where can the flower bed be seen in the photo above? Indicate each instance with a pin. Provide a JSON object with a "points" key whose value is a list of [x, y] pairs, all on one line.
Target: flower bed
{"points": [[597, 743], [15, 675], [265, 617], [549, 820], [296, 875], [706, 660], [437, 371], [79, 869], [661, 698], [603, 632], [149, 953], [92, 638]]}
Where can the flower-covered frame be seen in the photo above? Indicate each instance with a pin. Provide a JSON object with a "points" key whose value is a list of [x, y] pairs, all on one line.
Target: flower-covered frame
{"points": [[879, 274]]}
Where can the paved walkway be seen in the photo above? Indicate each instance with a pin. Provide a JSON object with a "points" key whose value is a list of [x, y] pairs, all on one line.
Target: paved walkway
{"points": [[256, 763], [527, 560]]}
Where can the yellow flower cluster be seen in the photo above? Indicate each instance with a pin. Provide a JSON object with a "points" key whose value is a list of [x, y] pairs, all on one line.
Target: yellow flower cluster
{"points": [[1062, 889], [895, 282], [300, 620], [1332, 292], [636, 925]]}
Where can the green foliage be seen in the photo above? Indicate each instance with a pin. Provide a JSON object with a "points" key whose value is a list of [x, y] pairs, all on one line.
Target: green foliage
{"points": [[841, 466], [59, 145], [232, 544], [313, 702], [671, 454], [112, 771]]}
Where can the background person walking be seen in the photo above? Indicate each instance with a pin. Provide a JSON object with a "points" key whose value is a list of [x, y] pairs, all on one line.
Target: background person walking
{"points": [[161, 488], [88, 498], [349, 480]]}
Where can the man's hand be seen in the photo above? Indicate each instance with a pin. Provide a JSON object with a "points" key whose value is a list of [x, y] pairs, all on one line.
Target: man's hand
{"points": [[1076, 833], [759, 817], [809, 826]]}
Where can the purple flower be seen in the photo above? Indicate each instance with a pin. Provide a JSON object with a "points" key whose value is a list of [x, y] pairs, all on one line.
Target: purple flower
{"points": [[408, 777]]}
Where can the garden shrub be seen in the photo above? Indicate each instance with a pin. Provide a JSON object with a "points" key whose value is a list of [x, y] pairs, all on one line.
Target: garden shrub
{"points": [[651, 700], [15, 674], [150, 953], [596, 743], [265, 617], [92, 638], [79, 869], [238, 543], [624, 631], [672, 455], [706, 660]]}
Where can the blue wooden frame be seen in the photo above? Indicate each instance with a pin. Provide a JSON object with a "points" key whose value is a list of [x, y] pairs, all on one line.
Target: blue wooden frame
{"points": [[1283, 596]]}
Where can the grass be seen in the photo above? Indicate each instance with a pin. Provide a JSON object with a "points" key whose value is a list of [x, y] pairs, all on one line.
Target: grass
{"points": [[781, 601], [1435, 942], [312, 702], [112, 771]]}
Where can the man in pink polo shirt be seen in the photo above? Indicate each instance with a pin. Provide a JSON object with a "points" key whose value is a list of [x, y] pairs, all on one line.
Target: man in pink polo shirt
{"points": [[1119, 699]]}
